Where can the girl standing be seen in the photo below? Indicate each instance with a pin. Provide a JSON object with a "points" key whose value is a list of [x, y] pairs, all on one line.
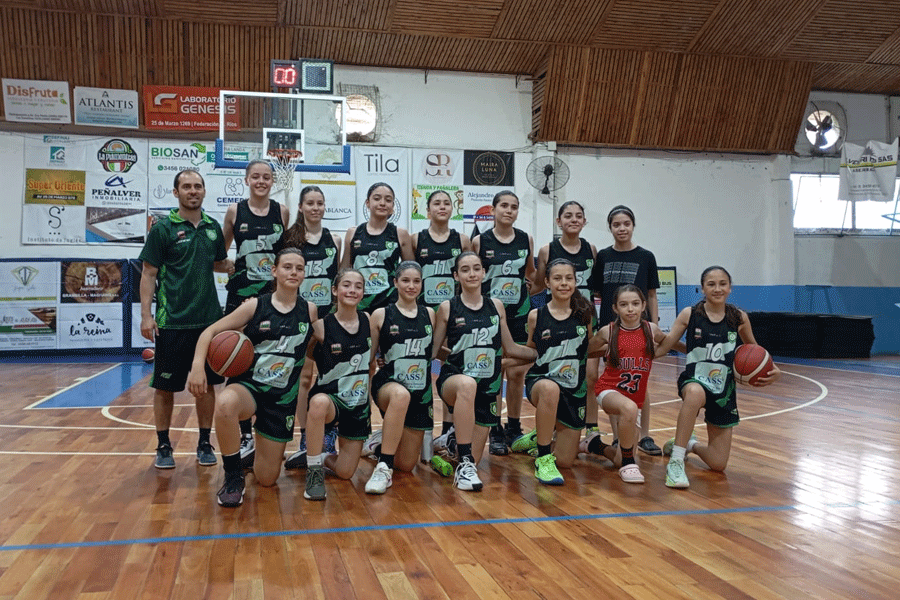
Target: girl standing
{"points": [[341, 393], [402, 334], [256, 225], [436, 249], [278, 324], [713, 327], [474, 329], [622, 263], [506, 253], [376, 247], [622, 388], [560, 332], [322, 251]]}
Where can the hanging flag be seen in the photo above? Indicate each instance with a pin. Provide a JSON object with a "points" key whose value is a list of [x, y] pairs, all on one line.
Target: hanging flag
{"points": [[868, 172]]}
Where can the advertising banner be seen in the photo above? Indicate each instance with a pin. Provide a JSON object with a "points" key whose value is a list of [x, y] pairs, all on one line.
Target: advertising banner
{"points": [[183, 108], [373, 165], [436, 170], [31, 101], [868, 172], [90, 326], [28, 303], [667, 297], [54, 152], [101, 107]]}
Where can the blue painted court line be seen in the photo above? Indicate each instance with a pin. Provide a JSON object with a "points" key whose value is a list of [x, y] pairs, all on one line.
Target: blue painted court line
{"points": [[434, 524], [101, 390]]}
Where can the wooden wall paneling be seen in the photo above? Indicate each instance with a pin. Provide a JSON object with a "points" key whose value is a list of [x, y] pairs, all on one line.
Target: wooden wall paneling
{"points": [[665, 25], [473, 19]]}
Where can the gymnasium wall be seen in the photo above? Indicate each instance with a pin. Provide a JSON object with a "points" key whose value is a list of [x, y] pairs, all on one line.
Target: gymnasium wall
{"points": [[692, 209]]}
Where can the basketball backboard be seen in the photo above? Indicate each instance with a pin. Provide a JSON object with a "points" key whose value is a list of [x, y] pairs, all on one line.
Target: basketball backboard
{"points": [[310, 123]]}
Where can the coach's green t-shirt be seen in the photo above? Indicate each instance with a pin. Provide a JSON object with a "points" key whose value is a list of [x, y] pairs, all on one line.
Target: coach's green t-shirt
{"points": [[186, 297]]}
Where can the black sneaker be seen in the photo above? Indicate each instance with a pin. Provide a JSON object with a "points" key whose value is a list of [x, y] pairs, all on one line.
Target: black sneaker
{"points": [[497, 442], [164, 459], [297, 460], [232, 493], [205, 455], [648, 446]]}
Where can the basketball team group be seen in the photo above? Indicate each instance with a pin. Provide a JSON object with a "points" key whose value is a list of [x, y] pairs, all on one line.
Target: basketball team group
{"points": [[339, 324]]}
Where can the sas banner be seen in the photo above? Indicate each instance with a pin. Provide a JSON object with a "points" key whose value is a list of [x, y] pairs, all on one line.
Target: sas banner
{"points": [[183, 108], [868, 172]]}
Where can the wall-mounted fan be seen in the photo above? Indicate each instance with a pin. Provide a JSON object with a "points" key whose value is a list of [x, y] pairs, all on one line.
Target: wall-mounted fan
{"points": [[547, 174], [824, 129]]}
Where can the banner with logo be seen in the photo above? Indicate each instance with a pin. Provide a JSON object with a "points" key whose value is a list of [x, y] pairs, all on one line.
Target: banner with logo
{"points": [[436, 170], [376, 165], [184, 108], [486, 173], [31, 101], [868, 172], [667, 297], [101, 107], [90, 326], [90, 304], [28, 305], [101, 198]]}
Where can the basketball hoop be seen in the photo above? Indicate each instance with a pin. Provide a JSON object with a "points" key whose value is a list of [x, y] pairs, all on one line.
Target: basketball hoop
{"points": [[284, 162]]}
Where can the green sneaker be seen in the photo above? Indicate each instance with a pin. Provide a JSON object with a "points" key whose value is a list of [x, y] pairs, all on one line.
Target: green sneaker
{"points": [[441, 466], [667, 447], [546, 472], [525, 442], [315, 483], [675, 475]]}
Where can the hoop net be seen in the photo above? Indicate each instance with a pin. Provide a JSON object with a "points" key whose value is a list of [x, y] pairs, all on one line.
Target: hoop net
{"points": [[284, 162]]}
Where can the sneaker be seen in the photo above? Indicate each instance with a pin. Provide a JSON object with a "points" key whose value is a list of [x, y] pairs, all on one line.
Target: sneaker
{"points": [[466, 476], [205, 455], [445, 444], [584, 443], [648, 446], [164, 459], [381, 479], [631, 474], [315, 483], [441, 466], [329, 442], [546, 472], [232, 493], [248, 451], [371, 447], [297, 460], [525, 442], [667, 447], [497, 443], [675, 475]]}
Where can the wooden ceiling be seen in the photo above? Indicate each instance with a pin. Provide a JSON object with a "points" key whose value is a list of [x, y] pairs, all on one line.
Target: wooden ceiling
{"points": [[729, 75]]}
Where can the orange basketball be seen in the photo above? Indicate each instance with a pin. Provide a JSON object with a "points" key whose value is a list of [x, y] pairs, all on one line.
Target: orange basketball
{"points": [[148, 355], [751, 362], [230, 353]]}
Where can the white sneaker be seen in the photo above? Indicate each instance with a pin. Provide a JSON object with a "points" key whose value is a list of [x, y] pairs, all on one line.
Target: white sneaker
{"points": [[371, 444], [381, 479], [675, 475], [248, 451], [466, 476], [445, 444]]}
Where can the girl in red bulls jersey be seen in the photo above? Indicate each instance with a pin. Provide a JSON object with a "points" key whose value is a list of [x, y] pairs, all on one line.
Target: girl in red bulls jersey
{"points": [[279, 325], [713, 328], [401, 333], [622, 388]]}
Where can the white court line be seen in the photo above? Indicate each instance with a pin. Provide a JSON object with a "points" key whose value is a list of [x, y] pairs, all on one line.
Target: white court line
{"points": [[78, 381]]}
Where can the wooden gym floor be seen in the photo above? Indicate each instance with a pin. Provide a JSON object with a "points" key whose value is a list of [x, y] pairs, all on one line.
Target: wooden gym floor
{"points": [[808, 508]]}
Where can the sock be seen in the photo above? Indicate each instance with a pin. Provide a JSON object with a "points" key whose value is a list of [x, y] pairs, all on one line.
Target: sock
{"points": [[590, 425], [445, 426], [231, 462], [387, 459], [596, 446], [627, 456], [515, 424], [162, 438], [543, 450], [246, 428], [690, 445], [377, 452], [464, 450], [314, 461], [497, 430], [204, 436], [678, 453]]}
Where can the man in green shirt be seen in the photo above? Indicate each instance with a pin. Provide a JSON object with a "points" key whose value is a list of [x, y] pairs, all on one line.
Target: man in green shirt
{"points": [[181, 253]]}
